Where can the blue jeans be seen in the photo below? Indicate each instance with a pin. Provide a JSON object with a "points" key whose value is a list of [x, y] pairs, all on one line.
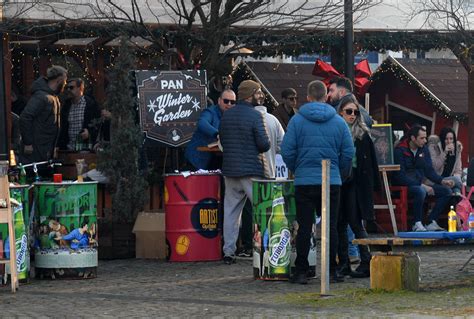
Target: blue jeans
{"points": [[418, 193], [457, 183], [353, 249]]}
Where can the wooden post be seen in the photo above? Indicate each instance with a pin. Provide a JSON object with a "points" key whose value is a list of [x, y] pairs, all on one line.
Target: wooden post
{"points": [[348, 40], [5, 102], [384, 169], [325, 215]]}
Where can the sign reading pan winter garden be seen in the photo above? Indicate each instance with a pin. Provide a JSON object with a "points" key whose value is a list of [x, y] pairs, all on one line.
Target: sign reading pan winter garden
{"points": [[170, 104]]}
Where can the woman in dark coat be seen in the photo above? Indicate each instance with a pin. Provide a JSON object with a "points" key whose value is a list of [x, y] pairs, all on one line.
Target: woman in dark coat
{"points": [[357, 202]]}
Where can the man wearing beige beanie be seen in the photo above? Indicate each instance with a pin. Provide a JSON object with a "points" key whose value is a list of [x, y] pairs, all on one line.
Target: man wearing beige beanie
{"points": [[244, 139]]}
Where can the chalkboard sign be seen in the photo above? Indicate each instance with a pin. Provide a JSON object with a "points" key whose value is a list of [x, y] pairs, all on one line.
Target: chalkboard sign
{"points": [[383, 143], [170, 103]]}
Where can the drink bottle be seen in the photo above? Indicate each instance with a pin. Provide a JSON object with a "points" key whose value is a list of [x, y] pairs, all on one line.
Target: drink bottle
{"points": [[470, 222], [22, 178], [12, 158], [280, 236], [452, 220]]}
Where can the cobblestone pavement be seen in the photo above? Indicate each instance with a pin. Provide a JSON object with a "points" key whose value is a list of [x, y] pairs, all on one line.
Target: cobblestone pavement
{"points": [[147, 288]]}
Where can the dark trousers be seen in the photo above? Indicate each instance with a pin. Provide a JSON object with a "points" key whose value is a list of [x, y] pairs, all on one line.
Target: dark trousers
{"points": [[349, 214], [246, 231], [308, 201], [418, 193]]}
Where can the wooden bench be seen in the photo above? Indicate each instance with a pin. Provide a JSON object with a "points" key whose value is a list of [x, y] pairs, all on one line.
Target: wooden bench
{"points": [[395, 265]]}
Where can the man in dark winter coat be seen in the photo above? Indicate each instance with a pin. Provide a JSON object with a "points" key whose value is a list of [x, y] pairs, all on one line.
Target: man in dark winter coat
{"points": [[285, 110], [415, 166], [77, 118], [244, 140], [40, 120]]}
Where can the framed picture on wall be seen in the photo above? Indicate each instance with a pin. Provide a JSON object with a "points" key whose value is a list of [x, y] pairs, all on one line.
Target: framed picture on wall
{"points": [[383, 143]]}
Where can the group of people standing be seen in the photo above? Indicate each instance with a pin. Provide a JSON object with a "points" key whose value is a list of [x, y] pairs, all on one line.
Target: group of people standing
{"points": [[58, 115], [250, 138]]}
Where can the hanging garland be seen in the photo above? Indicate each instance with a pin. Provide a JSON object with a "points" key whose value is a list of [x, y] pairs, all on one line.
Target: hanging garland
{"points": [[388, 67]]}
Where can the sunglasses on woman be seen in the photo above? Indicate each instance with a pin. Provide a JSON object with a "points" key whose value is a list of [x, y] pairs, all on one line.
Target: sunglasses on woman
{"points": [[351, 111]]}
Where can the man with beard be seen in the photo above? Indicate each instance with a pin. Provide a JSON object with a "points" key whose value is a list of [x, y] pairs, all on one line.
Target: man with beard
{"points": [[78, 116], [244, 138], [285, 110], [340, 87], [40, 120]]}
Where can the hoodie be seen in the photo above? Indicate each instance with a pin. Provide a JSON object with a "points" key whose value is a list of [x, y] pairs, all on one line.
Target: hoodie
{"points": [[39, 121], [316, 133]]}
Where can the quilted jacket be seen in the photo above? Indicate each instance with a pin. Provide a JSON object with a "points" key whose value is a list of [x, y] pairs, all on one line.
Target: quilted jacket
{"points": [[244, 139]]}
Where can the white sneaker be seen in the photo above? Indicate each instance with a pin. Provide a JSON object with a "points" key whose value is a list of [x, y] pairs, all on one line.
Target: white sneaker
{"points": [[419, 227], [433, 226]]}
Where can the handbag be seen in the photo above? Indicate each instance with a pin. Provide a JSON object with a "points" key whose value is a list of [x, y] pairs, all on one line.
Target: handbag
{"points": [[464, 207]]}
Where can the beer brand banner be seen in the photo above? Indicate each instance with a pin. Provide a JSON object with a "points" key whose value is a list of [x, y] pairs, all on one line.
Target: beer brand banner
{"points": [[66, 229], [275, 230], [19, 199], [170, 103]]}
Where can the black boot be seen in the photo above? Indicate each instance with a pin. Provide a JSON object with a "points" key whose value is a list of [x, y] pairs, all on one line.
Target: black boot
{"points": [[299, 278], [335, 277], [345, 269], [363, 271]]}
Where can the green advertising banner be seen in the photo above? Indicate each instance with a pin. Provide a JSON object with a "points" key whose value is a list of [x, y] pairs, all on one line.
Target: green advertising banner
{"points": [[275, 229], [66, 229], [20, 209]]}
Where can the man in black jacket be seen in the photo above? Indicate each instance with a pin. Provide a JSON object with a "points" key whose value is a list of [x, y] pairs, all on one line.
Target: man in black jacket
{"points": [[39, 121], [244, 140], [77, 118]]}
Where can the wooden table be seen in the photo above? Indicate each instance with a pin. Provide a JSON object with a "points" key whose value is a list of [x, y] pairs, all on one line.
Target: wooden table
{"points": [[384, 169], [69, 158], [214, 149], [396, 244]]}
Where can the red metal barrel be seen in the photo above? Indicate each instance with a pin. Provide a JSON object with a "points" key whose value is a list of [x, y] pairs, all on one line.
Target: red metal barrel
{"points": [[193, 217]]}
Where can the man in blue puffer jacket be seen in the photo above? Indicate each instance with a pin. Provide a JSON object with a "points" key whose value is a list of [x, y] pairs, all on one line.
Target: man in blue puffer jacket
{"points": [[244, 139], [207, 131], [315, 133]]}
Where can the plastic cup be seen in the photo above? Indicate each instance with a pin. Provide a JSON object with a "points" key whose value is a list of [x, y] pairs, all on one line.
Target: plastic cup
{"points": [[58, 178]]}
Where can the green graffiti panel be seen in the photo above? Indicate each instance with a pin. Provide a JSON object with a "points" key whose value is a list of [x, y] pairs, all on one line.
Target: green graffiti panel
{"points": [[65, 216]]}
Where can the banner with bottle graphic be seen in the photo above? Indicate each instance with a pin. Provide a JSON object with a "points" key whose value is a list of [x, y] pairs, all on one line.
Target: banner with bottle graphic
{"points": [[20, 209], [65, 225], [275, 229]]}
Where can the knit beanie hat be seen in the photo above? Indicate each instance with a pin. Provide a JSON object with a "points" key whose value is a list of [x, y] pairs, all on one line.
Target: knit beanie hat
{"points": [[247, 88]]}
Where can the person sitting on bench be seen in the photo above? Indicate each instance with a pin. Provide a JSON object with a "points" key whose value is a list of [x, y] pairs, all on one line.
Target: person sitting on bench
{"points": [[415, 166]]}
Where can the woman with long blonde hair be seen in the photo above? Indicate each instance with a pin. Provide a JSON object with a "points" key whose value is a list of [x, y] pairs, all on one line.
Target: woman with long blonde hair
{"points": [[357, 191]]}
